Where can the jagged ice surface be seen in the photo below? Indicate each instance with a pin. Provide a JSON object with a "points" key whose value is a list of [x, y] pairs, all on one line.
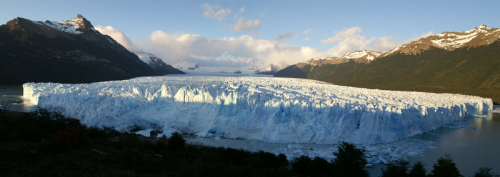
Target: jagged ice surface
{"points": [[279, 110]]}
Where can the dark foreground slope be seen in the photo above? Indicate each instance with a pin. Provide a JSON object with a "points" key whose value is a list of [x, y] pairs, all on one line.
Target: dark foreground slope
{"points": [[36, 52], [466, 70]]}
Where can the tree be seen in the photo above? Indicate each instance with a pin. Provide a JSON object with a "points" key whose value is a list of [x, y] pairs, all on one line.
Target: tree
{"points": [[301, 165], [350, 161], [176, 142], [418, 170], [485, 172], [4, 107], [397, 169], [445, 167]]}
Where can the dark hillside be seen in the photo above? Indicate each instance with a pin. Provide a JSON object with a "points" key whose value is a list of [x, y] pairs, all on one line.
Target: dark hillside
{"points": [[35, 52], [466, 70]]}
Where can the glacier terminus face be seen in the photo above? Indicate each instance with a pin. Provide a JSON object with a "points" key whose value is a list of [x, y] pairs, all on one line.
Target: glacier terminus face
{"points": [[280, 110]]}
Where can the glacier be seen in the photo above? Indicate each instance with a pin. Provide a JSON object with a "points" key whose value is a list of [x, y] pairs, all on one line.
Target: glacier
{"points": [[275, 110]]}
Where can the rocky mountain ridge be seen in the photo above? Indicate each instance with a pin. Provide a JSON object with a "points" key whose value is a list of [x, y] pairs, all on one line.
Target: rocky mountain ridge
{"points": [[452, 62], [68, 51], [481, 35]]}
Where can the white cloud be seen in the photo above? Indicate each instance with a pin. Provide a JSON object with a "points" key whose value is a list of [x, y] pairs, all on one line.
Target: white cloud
{"points": [[350, 39], [220, 13], [237, 14], [243, 50], [385, 43], [283, 36], [346, 33], [242, 25], [306, 32], [117, 35], [215, 12], [240, 51]]}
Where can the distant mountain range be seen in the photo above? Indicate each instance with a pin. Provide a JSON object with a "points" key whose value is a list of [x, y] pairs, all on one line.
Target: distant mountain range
{"points": [[69, 51], [257, 67], [465, 62]]}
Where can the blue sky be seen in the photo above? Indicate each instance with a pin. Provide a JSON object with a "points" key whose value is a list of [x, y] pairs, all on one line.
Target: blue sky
{"points": [[302, 25]]}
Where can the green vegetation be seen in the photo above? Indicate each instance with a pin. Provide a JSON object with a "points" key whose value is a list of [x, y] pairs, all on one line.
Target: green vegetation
{"points": [[400, 168], [469, 71], [350, 161], [445, 167], [485, 172]]}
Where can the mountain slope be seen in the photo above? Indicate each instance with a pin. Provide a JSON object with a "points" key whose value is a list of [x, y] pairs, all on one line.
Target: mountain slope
{"points": [[337, 65], [69, 51], [471, 67], [474, 71], [481, 35], [157, 64]]}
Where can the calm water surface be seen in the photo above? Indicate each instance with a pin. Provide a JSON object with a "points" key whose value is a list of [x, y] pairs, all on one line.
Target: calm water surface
{"points": [[476, 144], [13, 99], [472, 143]]}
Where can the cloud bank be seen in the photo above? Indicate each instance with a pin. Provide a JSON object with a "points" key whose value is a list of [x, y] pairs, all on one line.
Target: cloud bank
{"points": [[350, 39], [240, 51], [117, 35], [245, 50]]}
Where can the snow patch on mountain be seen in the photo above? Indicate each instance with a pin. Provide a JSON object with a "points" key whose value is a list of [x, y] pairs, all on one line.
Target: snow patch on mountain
{"points": [[146, 57], [369, 55], [272, 68], [69, 26], [454, 40], [256, 108], [480, 35]]}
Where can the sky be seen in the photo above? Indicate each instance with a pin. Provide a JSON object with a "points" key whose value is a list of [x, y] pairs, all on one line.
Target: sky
{"points": [[237, 33]]}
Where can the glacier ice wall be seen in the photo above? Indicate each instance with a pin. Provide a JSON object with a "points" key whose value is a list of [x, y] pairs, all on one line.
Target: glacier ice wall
{"points": [[279, 110]]}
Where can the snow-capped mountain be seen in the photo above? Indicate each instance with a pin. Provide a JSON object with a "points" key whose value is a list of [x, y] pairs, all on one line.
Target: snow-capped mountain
{"points": [[256, 68], [272, 69], [453, 62], [70, 25], [157, 63], [186, 65], [361, 55], [69, 51], [481, 35], [320, 61]]}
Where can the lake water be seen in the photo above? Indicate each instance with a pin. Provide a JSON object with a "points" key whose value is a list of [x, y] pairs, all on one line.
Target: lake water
{"points": [[14, 100], [472, 143]]}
